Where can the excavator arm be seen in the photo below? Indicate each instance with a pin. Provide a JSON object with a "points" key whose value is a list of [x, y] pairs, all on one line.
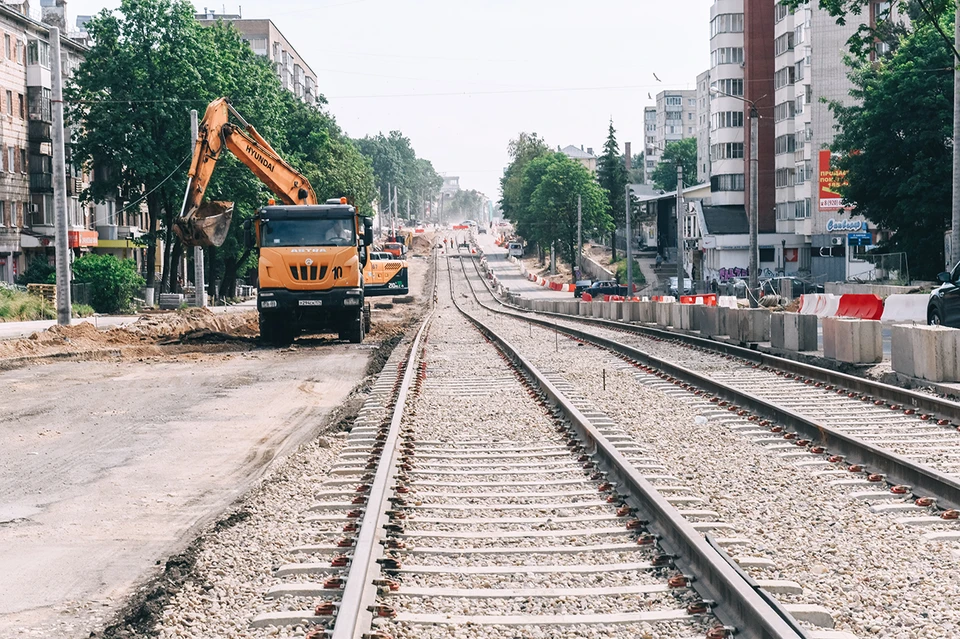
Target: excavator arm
{"points": [[206, 223]]}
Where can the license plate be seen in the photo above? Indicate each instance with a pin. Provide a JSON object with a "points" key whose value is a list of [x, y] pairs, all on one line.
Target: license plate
{"points": [[311, 302]]}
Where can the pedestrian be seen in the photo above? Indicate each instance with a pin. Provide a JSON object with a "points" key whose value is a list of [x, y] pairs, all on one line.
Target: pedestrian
{"points": [[714, 286], [659, 259]]}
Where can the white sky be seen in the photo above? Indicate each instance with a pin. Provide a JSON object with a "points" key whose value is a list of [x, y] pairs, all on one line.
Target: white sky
{"points": [[474, 73]]}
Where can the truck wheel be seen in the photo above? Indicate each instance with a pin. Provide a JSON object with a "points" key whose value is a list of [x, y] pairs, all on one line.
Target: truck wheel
{"points": [[275, 331], [353, 328], [366, 319]]}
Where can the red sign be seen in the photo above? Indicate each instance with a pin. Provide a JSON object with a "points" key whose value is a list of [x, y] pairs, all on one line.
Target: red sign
{"points": [[791, 255], [830, 182], [460, 227], [82, 238]]}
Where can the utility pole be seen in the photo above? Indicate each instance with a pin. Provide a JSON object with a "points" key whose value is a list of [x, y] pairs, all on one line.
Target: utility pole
{"points": [[629, 245], [396, 209], [955, 235], [681, 274], [199, 275], [580, 234], [753, 217], [64, 310]]}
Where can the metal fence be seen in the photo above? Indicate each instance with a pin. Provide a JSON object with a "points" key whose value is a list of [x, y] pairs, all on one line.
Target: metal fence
{"points": [[891, 268], [80, 293]]}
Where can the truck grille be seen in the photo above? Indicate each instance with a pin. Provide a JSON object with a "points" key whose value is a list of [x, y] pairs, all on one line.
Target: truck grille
{"points": [[306, 273]]}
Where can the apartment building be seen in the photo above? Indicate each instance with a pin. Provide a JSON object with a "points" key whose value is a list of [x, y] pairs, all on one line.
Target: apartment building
{"points": [[726, 130], [26, 153], [703, 127], [266, 40], [584, 157], [650, 152], [676, 119]]}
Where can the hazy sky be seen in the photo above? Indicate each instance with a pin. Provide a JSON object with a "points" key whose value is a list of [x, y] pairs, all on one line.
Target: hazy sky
{"points": [[461, 77]]}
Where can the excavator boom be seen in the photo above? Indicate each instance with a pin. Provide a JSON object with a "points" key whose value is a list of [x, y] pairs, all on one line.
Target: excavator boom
{"points": [[207, 223]]}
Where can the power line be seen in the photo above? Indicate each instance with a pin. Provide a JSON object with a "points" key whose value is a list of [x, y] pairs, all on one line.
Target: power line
{"points": [[148, 193]]}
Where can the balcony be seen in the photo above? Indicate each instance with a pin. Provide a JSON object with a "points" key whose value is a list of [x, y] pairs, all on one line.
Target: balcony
{"points": [[9, 240], [41, 182], [39, 131]]}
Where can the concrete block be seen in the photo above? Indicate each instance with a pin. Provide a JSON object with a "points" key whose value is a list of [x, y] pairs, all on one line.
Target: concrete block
{"points": [[614, 311], [663, 317], [597, 309], [752, 325], [631, 312], [793, 332], [694, 317], [675, 319], [926, 352], [684, 316], [727, 320], [585, 309], [853, 341], [708, 320], [648, 312]]}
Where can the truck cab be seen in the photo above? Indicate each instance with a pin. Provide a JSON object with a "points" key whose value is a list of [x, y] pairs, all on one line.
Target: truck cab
{"points": [[311, 270]]}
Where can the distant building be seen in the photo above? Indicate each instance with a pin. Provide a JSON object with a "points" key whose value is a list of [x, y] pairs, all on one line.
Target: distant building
{"points": [[703, 127], [265, 39], [675, 118], [451, 184], [650, 152], [586, 158]]}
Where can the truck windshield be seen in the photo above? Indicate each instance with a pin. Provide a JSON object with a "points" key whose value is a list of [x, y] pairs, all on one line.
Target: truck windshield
{"points": [[302, 232]]}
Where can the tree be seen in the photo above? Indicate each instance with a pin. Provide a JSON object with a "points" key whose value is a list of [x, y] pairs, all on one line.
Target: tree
{"points": [[555, 201], [395, 164], [612, 176], [113, 281], [885, 28], [896, 145], [525, 148], [682, 151], [464, 205]]}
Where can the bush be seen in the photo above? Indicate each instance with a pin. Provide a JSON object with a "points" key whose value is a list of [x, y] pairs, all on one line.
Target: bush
{"points": [[115, 281], [38, 271], [621, 273], [82, 310]]}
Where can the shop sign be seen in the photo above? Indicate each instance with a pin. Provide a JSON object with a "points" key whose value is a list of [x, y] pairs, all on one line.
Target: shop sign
{"points": [[845, 226], [79, 239]]}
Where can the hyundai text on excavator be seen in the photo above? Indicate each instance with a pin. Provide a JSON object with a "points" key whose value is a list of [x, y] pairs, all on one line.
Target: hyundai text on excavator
{"points": [[314, 267]]}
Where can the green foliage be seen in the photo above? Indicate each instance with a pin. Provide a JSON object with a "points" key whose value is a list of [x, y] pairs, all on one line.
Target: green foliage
{"points": [[682, 151], [896, 145], [620, 270], [524, 149], [114, 281], [464, 205], [82, 310], [612, 176], [18, 306], [886, 29], [38, 271], [395, 164]]}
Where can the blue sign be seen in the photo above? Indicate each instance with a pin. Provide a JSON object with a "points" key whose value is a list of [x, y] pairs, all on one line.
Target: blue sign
{"points": [[860, 239]]}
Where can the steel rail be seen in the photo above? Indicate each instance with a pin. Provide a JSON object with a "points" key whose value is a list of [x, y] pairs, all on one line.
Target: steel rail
{"points": [[359, 593], [898, 469], [734, 600], [940, 407]]}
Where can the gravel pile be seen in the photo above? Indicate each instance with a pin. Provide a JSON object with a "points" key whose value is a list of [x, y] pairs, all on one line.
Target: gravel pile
{"points": [[879, 578]]}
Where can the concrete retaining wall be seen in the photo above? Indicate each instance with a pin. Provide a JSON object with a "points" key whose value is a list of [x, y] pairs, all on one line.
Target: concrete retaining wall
{"points": [[793, 332], [852, 340], [663, 315], [752, 325], [708, 320], [594, 271], [926, 352], [880, 290]]}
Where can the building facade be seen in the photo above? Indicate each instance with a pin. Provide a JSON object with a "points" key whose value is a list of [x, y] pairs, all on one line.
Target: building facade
{"points": [[26, 153], [266, 40], [584, 157], [703, 127], [650, 152]]}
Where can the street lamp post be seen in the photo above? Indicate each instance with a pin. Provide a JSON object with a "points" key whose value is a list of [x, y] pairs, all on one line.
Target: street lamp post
{"points": [[754, 205]]}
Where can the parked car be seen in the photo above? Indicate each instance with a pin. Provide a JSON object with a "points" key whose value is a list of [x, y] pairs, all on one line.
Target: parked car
{"points": [[605, 287], [943, 307], [687, 286], [580, 286]]}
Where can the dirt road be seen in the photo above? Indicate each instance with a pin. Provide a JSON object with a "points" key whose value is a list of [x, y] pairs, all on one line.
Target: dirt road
{"points": [[109, 467]]}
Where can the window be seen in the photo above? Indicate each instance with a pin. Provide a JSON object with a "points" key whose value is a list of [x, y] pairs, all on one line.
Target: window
{"points": [[11, 159], [783, 111], [784, 144], [20, 106], [799, 103], [650, 164], [690, 115], [783, 44], [803, 172], [727, 182], [692, 102], [689, 130], [768, 254], [731, 86], [784, 178], [726, 23], [726, 55], [802, 209], [726, 119], [9, 102], [674, 115], [23, 160], [785, 210], [38, 53], [8, 49], [781, 12], [674, 100], [3, 213], [727, 151], [783, 77], [798, 35], [798, 71]]}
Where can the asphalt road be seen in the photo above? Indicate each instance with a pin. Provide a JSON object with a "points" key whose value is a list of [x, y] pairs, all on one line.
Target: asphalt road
{"points": [[110, 467]]}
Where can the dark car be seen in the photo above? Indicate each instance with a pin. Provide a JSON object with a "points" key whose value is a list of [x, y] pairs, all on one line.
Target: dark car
{"points": [[944, 306], [580, 286], [605, 287], [798, 287]]}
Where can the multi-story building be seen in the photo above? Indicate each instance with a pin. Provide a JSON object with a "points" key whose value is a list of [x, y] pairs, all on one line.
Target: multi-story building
{"points": [[703, 127], [676, 119], [265, 39], [650, 151], [26, 154], [726, 130], [584, 157]]}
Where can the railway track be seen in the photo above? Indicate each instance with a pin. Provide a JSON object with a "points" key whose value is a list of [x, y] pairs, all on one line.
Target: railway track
{"points": [[475, 497], [851, 429]]}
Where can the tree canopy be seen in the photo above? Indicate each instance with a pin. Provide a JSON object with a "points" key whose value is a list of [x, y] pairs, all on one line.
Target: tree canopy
{"points": [[683, 151], [612, 177], [464, 205], [395, 164], [896, 144]]}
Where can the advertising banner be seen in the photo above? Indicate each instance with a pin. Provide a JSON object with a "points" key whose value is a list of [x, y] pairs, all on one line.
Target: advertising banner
{"points": [[830, 182]]}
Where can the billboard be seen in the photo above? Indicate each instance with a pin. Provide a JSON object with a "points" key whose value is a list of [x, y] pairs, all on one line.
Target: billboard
{"points": [[830, 182]]}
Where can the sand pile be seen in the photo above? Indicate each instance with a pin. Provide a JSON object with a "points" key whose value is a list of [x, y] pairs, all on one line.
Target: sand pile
{"points": [[148, 330], [422, 244]]}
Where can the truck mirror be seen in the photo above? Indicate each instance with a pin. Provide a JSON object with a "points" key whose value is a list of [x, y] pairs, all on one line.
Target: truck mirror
{"points": [[367, 231], [249, 239]]}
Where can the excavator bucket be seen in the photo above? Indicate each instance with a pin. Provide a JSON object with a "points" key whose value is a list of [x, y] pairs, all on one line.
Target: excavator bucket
{"points": [[207, 225]]}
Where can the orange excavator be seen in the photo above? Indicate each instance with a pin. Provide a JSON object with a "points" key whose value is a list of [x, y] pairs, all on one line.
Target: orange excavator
{"points": [[314, 265]]}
